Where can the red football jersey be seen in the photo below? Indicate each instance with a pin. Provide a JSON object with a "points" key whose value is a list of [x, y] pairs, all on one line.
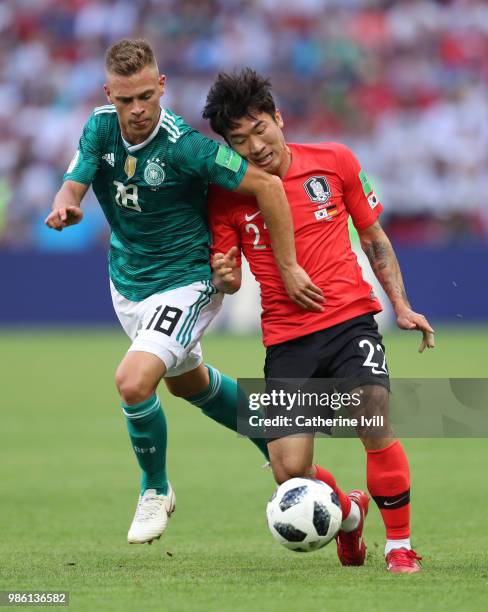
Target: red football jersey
{"points": [[324, 185]]}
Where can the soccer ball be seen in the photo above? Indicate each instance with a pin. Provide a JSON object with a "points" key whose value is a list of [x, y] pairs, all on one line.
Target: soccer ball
{"points": [[304, 514]]}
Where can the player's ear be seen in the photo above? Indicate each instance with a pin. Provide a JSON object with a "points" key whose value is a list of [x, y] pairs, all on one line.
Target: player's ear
{"points": [[107, 93], [279, 119], [162, 83]]}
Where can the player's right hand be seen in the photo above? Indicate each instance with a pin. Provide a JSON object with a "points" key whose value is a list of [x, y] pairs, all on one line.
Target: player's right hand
{"points": [[59, 218], [225, 265], [301, 290]]}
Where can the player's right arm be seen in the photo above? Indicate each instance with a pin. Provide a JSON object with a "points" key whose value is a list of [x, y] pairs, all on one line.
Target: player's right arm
{"points": [[66, 208], [225, 250], [226, 275]]}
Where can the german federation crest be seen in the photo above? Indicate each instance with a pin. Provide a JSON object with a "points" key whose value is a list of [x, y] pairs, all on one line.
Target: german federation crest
{"points": [[318, 189], [153, 172]]}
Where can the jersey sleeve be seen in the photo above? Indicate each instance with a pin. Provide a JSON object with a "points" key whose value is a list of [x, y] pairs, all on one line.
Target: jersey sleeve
{"points": [[359, 197], [196, 156], [224, 233], [86, 160]]}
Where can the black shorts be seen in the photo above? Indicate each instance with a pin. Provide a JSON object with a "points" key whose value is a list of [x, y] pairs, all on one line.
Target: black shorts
{"points": [[348, 355]]}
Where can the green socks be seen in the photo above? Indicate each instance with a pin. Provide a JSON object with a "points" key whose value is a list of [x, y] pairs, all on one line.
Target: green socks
{"points": [[219, 402], [148, 434], [146, 424]]}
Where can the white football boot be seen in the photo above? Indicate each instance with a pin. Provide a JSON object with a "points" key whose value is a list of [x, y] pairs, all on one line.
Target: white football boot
{"points": [[152, 514]]}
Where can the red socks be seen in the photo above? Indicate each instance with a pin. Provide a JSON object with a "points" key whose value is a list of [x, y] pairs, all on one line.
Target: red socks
{"points": [[325, 476], [388, 478]]}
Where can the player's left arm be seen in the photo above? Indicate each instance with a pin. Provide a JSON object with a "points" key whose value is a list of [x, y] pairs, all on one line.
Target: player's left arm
{"points": [[379, 250], [364, 207], [271, 199]]}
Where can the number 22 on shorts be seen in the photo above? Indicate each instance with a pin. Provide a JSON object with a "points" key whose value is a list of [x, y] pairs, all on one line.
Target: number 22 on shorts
{"points": [[376, 368]]}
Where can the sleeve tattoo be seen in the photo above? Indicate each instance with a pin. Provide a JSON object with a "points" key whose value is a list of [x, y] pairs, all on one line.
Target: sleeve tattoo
{"points": [[385, 265]]}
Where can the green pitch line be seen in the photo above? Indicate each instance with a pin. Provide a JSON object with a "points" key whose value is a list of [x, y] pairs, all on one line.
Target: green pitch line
{"points": [[69, 487]]}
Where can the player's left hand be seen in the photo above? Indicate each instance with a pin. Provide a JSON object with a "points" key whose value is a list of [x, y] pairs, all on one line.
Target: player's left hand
{"points": [[408, 319]]}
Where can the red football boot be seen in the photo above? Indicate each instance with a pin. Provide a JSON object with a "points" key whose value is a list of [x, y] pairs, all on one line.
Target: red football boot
{"points": [[403, 561], [351, 548]]}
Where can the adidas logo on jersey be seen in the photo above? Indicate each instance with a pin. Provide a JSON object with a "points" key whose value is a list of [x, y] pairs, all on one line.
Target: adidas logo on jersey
{"points": [[109, 158]]}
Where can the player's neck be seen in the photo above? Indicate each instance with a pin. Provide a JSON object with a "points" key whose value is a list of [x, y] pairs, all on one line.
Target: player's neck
{"points": [[285, 163]]}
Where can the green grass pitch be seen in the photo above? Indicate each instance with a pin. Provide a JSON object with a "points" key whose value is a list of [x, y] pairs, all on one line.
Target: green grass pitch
{"points": [[69, 486]]}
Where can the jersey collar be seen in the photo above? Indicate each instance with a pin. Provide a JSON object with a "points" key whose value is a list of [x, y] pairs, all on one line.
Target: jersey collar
{"points": [[132, 148]]}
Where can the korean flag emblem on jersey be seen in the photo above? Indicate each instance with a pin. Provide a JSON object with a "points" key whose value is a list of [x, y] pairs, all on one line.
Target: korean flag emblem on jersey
{"points": [[368, 190], [318, 189]]}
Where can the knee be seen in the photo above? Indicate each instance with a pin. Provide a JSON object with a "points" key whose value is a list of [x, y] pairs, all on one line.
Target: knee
{"points": [[189, 384], [133, 389], [290, 467], [177, 392]]}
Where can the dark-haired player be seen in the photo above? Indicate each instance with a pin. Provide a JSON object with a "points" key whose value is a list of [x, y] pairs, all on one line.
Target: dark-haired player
{"points": [[150, 172], [325, 184]]}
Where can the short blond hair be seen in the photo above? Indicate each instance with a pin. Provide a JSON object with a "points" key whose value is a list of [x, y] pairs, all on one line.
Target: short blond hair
{"points": [[129, 56]]}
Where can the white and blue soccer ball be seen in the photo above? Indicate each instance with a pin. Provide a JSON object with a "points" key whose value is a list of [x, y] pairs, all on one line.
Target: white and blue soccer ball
{"points": [[304, 514]]}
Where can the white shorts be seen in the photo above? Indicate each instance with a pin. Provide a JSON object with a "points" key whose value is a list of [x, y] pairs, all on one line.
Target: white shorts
{"points": [[170, 324]]}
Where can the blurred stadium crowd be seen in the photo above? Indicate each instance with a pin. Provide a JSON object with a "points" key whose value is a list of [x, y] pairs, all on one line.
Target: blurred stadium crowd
{"points": [[404, 83]]}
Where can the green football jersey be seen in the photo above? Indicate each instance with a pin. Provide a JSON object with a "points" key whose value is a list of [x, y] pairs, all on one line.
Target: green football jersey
{"points": [[154, 197]]}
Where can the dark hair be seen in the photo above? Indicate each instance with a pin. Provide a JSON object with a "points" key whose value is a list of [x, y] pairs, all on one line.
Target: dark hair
{"points": [[127, 57], [237, 95]]}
